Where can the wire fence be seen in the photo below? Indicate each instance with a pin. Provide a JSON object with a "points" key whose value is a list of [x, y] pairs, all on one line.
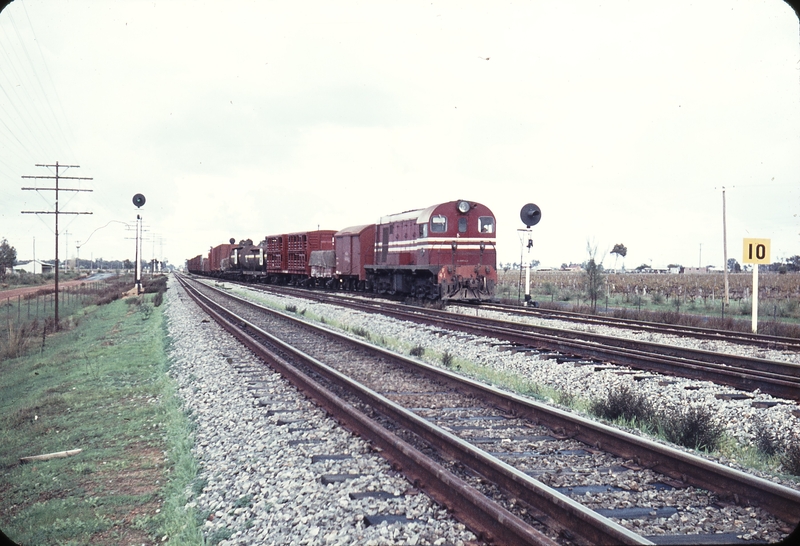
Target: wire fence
{"points": [[34, 308]]}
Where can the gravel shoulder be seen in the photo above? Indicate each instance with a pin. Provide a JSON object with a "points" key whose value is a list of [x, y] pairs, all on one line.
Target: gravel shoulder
{"points": [[256, 440]]}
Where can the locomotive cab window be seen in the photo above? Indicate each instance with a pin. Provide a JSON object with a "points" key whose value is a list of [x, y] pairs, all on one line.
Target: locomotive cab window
{"points": [[462, 224], [423, 231], [438, 224], [486, 224]]}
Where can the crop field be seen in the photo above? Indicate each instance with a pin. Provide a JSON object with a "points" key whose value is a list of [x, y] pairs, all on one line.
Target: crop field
{"points": [[703, 294]]}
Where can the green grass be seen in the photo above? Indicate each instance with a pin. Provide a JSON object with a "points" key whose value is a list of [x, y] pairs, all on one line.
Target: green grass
{"points": [[101, 387]]}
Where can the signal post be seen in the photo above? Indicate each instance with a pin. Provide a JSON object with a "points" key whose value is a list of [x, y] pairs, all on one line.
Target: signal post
{"points": [[530, 216]]}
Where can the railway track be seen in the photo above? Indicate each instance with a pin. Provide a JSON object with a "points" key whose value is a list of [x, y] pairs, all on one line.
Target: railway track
{"points": [[776, 378], [744, 338], [502, 443]]}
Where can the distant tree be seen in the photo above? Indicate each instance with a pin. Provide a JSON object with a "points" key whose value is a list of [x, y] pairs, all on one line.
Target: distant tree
{"points": [[619, 250], [733, 266], [127, 264], [643, 267], [793, 263], [8, 257], [593, 276]]}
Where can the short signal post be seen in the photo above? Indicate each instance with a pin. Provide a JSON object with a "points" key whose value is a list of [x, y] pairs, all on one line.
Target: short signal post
{"points": [[530, 216], [756, 252], [139, 201]]}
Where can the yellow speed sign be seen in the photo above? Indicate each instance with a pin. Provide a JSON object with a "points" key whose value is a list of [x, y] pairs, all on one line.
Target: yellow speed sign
{"points": [[756, 251]]}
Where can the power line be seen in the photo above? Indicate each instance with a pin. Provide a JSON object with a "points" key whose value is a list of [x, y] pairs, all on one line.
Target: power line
{"points": [[50, 79], [35, 117], [44, 121]]}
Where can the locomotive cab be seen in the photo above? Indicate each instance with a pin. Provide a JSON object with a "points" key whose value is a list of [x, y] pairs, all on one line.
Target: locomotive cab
{"points": [[446, 251]]}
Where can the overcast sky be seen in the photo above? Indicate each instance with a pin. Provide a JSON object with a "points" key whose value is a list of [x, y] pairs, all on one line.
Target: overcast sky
{"points": [[622, 120]]}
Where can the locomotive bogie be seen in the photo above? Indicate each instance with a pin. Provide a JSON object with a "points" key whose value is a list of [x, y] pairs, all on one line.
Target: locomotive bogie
{"points": [[467, 283]]}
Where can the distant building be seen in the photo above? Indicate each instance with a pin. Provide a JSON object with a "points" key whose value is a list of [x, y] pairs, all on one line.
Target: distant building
{"points": [[34, 267]]}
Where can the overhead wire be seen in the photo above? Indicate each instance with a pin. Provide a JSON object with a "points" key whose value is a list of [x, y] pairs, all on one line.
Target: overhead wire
{"points": [[42, 123], [31, 126], [31, 100], [39, 81], [33, 122], [16, 131], [10, 131]]}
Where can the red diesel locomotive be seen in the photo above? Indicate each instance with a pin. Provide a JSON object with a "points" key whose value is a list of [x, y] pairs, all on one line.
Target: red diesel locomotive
{"points": [[445, 251]]}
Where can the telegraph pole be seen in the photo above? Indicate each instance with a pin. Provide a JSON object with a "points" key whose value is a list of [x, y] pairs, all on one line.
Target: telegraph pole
{"points": [[66, 250], [56, 189], [726, 300]]}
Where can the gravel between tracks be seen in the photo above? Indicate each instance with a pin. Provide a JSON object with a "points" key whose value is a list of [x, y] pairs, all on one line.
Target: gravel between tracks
{"points": [[258, 484], [739, 416]]}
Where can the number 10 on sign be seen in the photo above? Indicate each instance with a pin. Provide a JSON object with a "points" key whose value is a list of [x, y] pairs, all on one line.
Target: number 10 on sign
{"points": [[755, 251]]}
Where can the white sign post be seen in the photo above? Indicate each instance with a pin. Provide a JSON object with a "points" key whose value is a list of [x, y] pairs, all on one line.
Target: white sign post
{"points": [[755, 251]]}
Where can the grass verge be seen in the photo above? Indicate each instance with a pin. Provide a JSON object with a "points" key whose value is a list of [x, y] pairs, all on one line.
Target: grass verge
{"points": [[101, 387]]}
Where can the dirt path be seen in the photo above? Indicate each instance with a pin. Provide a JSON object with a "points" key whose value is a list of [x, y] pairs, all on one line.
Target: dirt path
{"points": [[14, 293]]}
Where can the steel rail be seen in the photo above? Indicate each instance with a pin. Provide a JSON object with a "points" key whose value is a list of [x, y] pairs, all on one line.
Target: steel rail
{"points": [[771, 368], [783, 386], [490, 521], [737, 486], [759, 340], [780, 379], [471, 507]]}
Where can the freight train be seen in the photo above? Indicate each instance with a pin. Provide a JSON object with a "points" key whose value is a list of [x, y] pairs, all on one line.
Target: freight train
{"points": [[442, 252]]}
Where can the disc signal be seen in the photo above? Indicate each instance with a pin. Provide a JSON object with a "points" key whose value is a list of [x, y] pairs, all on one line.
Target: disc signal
{"points": [[530, 214]]}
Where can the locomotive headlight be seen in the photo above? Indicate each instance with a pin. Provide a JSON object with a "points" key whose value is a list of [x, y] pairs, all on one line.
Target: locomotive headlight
{"points": [[463, 207]]}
